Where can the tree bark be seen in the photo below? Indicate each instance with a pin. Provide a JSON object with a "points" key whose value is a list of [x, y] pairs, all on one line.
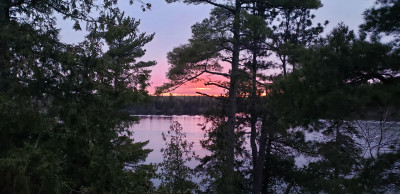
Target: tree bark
{"points": [[228, 169], [268, 146], [338, 124], [4, 20], [258, 154], [258, 169], [253, 128]]}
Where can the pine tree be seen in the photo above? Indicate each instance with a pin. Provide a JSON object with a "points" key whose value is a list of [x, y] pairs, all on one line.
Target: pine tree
{"points": [[176, 176], [340, 79], [206, 57], [61, 104]]}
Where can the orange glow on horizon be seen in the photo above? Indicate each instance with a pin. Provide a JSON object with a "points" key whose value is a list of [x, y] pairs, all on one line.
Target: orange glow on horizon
{"points": [[175, 94], [191, 89], [202, 88]]}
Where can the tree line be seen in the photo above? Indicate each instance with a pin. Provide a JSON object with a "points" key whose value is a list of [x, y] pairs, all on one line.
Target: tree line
{"points": [[200, 105], [63, 107], [173, 105]]}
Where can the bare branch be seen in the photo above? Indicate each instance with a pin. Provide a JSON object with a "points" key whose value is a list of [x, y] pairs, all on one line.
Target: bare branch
{"points": [[216, 73], [216, 84], [218, 5], [216, 97], [226, 60]]}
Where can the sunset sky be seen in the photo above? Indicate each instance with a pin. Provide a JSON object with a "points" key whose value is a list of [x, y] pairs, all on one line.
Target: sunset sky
{"points": [[171, 24]]}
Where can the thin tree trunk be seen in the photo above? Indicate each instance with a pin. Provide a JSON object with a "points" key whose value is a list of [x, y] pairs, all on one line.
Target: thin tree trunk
{"points": [[288, 188], [267, 154], [253, 121], [253, 117], [337, 145], [4, 11], [286, 40], [284, 66], [4, 20], [260, 162]]}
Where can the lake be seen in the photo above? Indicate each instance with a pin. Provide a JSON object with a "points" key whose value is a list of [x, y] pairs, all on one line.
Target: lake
{"points": [[151, 127]]}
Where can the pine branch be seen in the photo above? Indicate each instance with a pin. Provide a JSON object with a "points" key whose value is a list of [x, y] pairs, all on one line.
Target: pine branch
{"points": [[218, 5], [216, 84]]}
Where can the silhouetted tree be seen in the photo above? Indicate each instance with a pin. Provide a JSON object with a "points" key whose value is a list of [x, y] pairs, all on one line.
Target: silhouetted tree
{"points": [[176, 176], [61, 120]]}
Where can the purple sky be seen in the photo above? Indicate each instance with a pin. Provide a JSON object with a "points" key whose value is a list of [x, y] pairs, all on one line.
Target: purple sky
{"points": [[171, 24]]}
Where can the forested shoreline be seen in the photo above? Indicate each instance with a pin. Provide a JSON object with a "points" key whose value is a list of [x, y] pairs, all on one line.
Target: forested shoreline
{"points": [[199, 105], [173, 105]]}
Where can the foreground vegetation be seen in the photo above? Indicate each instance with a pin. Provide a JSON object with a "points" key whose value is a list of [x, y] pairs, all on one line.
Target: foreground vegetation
{"points": [[61, 125], [64, 124]]}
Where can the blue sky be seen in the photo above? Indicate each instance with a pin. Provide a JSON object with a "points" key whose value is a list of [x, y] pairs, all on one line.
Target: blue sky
{"points": [[172, 23]]}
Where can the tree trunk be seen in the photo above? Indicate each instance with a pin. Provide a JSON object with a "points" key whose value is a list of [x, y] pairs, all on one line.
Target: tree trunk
{"points": [[337, 145], [268, 146], [254, 117], [253, 133], [286, 40], [228, 170], [284, 66], [4, 11], [258, 154], [4, 20], [258, 169]]}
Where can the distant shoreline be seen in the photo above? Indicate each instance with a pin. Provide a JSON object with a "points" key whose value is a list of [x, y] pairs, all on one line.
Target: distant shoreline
{"points": [[173, 105], [167, 115]]}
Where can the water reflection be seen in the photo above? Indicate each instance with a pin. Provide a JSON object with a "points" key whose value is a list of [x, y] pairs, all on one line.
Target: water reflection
{"points": [[150, 128]]}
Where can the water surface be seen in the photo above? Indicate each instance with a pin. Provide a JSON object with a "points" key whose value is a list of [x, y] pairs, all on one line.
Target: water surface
{"points": [[151, 127]]}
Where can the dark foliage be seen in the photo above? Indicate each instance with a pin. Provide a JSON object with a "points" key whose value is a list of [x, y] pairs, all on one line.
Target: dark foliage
{"points": [[61, 121], [173, 105]]}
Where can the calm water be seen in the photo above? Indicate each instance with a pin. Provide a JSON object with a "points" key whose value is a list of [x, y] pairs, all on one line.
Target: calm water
{"points": [[151, 127]]}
